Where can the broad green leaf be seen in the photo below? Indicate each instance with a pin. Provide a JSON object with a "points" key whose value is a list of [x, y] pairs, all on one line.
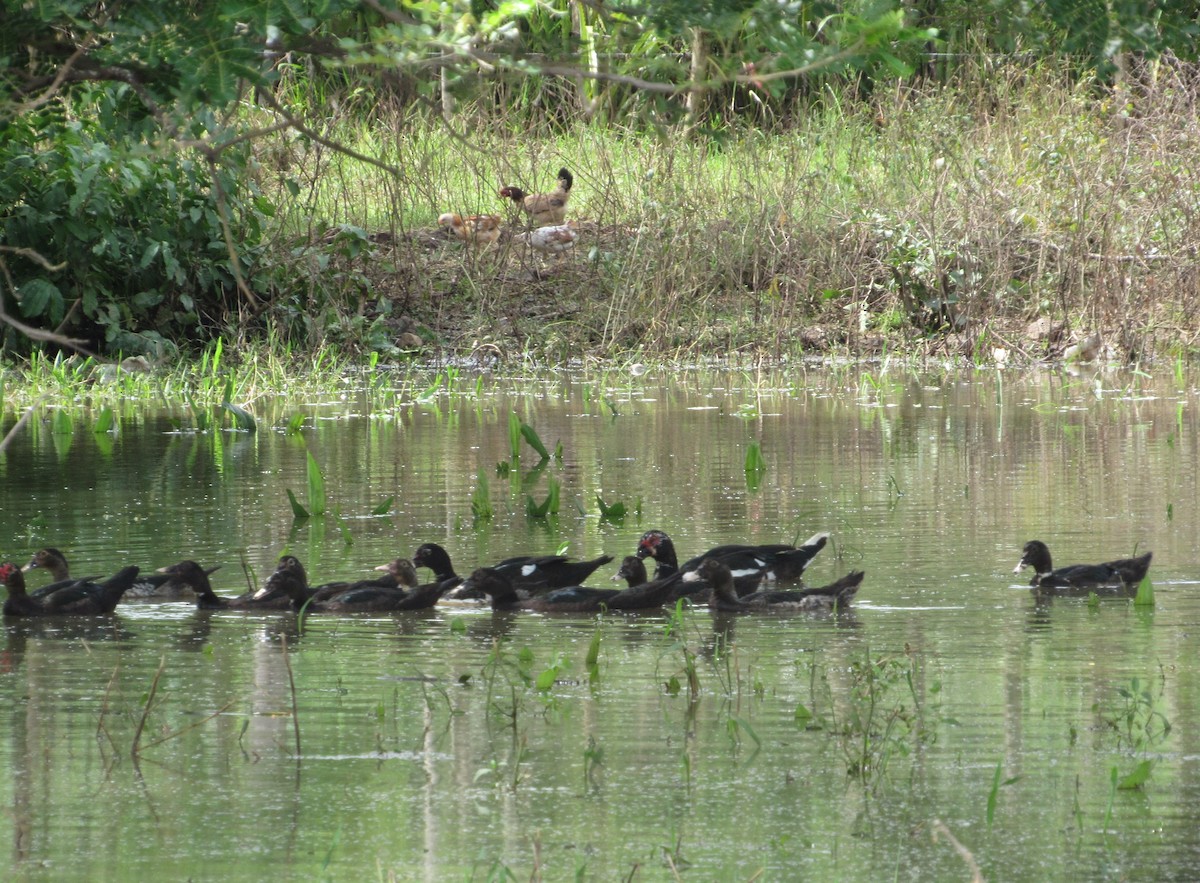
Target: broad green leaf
{"points": [[242, 418], [105, 420], [1137, 778], [535, 442], [298, 511]]}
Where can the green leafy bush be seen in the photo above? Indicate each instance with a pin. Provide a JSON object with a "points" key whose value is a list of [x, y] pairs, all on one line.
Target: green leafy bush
{"points": [[132, 227]]}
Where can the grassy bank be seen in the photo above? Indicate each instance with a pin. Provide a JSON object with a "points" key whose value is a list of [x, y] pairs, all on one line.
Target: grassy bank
{"points": [[1017, 213]]}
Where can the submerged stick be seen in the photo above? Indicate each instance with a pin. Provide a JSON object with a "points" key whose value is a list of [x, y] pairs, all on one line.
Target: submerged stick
{"points": [[965, 854], [287, 662], [137, 736], [224, 708]]}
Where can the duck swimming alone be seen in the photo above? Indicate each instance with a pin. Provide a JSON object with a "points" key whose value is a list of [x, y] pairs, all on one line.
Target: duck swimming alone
{"points": [[724, 598], [1127, 572]]}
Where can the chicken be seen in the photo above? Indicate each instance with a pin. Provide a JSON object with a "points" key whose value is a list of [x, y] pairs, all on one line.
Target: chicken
{"points": [[474, 229], [544, 208], [551, 240]]}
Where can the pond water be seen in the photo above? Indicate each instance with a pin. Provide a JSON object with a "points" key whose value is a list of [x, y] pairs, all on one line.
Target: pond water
{"points": [[951, 724]]}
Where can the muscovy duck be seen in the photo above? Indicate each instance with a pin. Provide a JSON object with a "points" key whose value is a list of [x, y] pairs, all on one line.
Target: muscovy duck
{"points": [[643, 592], [771, 561], [195, 577], [151, 586], [360, 599], [81, 597], [725, 599], [494, 583], [1123, 572], [529, 575]]}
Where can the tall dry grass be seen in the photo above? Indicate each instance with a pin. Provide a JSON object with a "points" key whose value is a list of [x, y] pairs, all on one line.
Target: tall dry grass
{"points": [[947, 220]]}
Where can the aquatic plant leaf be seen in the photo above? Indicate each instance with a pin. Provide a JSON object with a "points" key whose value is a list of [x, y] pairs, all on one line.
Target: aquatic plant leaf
{"points": [[385, 507], [593, 653], [514, 435], [1145, 593], [298, 511], [530, 435], [754, 458], [1137, 778], [546, 679], [537, 510], [615, 512], [295, 423], [481, 504], [105, 421], [62, 424], [242, 418]]}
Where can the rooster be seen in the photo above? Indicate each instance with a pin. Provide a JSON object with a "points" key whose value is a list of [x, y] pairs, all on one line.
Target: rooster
{"points": [[554, 239], [544, 208], [473, 229]]}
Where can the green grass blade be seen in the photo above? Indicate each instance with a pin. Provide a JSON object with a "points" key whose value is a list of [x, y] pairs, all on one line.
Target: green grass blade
{"points": [[385, 507]]}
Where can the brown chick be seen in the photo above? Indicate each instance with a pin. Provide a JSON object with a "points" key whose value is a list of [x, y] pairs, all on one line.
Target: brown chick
{"points": [[544, 209], [474, 229]]}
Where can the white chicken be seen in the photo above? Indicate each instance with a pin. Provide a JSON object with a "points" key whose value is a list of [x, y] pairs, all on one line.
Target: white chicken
{"points": [[554, 239]]}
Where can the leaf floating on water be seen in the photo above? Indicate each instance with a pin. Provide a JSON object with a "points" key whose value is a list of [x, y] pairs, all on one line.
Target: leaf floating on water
{"points": [[385, 507]]}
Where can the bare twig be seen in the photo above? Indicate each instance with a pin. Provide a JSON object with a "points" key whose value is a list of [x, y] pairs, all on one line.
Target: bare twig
{"points": [[137, 735], [34, 256], [227, 232], [224, 708], [287, 662], [300, 127], [28, 330], [963, 852]]}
